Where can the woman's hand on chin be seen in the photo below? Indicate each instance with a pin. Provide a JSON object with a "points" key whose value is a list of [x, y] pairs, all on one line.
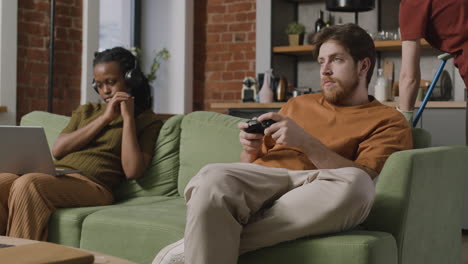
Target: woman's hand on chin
{"points": [[113, 106]]}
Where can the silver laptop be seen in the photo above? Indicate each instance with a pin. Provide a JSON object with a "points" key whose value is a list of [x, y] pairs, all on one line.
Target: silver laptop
{"points": [[24, 150]]}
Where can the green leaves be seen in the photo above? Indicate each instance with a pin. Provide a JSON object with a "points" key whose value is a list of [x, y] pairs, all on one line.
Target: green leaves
{"points": [[295, 28], [160, 56]]}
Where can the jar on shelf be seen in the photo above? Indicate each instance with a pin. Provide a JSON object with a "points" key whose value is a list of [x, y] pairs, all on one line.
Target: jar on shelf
{"points": [[382, 87], [266, 93]]}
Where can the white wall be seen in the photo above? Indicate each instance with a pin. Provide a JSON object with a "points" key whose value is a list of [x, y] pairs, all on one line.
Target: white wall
{"points": [[263, 36], [116, 23], [169, 24], [90, 45], [8, 51]]}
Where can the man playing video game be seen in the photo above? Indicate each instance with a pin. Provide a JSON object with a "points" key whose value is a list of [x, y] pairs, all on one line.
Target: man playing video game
{"points": [[311, 171]]}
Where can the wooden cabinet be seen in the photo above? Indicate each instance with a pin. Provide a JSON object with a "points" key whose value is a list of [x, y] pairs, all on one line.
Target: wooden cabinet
{"points": [[445, 125], [436, 118], [248, 109]]}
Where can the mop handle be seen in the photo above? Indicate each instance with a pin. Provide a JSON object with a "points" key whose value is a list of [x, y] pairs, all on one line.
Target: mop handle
{"points": [[444, 57]]}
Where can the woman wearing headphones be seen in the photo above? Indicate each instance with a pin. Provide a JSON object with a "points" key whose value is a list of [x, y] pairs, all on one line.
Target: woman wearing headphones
{"points": [[107, 142]]}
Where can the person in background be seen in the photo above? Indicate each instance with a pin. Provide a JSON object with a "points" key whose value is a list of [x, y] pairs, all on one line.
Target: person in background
{"points": [[444, 24], [108, 143]]}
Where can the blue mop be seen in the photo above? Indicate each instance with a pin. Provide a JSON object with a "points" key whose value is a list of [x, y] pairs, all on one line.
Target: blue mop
{"points": [[444, 57]]}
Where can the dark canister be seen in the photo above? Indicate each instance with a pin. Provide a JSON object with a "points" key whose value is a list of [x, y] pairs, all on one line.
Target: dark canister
{"points": [[350, 5]]}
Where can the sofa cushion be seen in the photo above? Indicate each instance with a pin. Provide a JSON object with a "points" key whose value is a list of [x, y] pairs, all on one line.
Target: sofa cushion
{"points": [[353, 247], [117, 230], [65, 224], [207, 137], [136, 233], [160, 178]]}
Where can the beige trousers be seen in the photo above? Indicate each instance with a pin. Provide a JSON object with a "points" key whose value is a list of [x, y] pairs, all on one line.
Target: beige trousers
{"points": [[240, 207], [27, 201]]}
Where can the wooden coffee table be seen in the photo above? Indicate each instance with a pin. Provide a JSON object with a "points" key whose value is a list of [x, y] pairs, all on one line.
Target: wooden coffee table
{"points": [[98, 257]]}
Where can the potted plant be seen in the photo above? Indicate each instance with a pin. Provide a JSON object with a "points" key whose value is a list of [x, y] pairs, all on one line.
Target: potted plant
{"points": [[295, 31]]}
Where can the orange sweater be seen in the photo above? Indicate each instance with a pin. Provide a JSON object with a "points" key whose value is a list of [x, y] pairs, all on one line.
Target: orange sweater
{"points": [[366, 134]]}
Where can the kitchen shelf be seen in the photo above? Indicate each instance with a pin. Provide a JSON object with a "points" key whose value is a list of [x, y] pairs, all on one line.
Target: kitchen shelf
{"points": [[3, 109], [434, 104], [246, 105], [384, 45], [294, 50], [430, 104]]}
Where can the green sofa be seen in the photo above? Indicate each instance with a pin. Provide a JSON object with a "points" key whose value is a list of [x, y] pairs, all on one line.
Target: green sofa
{"points": [[416, 217]]}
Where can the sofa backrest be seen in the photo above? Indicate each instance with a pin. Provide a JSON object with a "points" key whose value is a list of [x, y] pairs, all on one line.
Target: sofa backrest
{"points": [[161, 176], [184, 146], [209, 137], [206, 137]]}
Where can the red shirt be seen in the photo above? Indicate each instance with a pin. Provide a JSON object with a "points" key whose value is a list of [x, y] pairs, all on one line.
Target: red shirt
{"points": [[443, 23]]}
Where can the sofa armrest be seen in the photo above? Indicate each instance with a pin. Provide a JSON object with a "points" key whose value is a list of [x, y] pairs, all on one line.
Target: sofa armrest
{"points": [[419, 198]]}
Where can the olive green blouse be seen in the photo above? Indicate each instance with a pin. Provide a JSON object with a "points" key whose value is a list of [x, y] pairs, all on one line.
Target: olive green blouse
{"points": [[100, 160]]}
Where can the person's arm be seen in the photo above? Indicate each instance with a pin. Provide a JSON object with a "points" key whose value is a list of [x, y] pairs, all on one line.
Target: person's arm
{"points": [[251, 144], [286, 132], [67, 143], [324, 158], [134, 161], [410, 76]]}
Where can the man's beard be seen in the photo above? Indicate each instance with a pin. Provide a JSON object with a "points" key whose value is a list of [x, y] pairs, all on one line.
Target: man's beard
{"points": [[339, 92]]}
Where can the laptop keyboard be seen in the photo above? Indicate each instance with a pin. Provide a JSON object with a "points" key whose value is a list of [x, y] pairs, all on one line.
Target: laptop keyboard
{"points": [[5, 245]]}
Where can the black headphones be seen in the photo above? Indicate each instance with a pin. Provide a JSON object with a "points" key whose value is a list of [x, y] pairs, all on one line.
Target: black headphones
{"points": [[133, 78]]}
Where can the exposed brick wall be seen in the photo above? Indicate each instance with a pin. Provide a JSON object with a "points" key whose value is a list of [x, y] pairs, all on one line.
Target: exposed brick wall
{"points": [[224, 50], [33, 55]]}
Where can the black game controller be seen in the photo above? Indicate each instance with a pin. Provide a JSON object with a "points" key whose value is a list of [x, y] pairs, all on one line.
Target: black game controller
{"points": [[257, 127]]}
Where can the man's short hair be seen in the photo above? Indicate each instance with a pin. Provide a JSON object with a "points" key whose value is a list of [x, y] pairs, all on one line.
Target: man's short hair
{"points": [[353, 38]]}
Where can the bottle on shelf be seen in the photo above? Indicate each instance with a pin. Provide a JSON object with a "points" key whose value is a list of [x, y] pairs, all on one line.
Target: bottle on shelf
{"points": [[340, 21], [319, 23], [281, 89], [266, 93], [329, 20], [382, 87]]}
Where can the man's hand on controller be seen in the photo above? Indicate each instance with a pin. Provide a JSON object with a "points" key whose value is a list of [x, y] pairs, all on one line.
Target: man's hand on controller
{"points": [[285, 131], [251, 143]]}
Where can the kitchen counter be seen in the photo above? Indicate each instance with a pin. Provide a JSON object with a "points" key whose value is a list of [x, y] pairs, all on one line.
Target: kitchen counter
{"points": [[444, 120], [430, 104]]}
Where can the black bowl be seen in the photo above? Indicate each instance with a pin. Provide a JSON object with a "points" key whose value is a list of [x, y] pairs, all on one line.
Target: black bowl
{"points": [[350, 5]]}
